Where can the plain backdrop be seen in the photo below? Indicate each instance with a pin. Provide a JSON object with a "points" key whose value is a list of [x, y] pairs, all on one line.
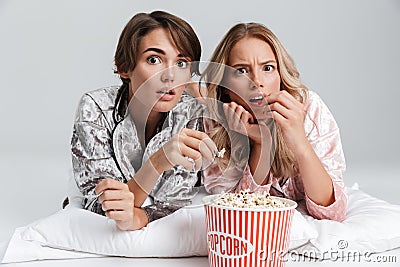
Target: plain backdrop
{"points": [[51, 52]]}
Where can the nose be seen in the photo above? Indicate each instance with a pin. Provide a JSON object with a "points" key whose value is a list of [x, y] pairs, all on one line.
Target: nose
{"points": [[168, 75], [257, 81]]}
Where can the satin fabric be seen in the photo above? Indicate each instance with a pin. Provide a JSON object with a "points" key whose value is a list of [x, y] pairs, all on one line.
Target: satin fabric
{"points": [[105, 144], [323, 134]]}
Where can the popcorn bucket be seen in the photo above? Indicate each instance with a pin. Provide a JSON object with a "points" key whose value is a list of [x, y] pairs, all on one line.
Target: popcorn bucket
{"points": [[247, 236]]}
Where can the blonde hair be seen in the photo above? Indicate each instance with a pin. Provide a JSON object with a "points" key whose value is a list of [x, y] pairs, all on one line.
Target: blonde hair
{"points": [[284, 163]]}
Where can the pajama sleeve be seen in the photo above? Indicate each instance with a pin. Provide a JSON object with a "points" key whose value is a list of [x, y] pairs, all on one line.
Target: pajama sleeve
{"points": [[323, 134]]}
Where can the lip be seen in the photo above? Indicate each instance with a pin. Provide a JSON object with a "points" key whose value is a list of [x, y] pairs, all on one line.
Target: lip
{"points": [[166, 91], [257, 99], [166, 94]]}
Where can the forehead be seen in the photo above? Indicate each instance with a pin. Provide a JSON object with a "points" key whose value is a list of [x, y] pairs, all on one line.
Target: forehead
{"points": [[158, 38], [251, 48]]}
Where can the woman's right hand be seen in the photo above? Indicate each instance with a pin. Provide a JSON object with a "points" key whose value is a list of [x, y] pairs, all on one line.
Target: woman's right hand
{"points": [[241, 121], [189, 148]]}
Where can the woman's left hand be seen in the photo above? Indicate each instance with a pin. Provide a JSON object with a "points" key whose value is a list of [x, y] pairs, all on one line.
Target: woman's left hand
{"points": [[118, 202], [289, 113]]}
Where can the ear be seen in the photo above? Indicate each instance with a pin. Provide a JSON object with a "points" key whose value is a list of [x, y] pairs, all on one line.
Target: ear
{"points": [[124, 75], [122, 72]]}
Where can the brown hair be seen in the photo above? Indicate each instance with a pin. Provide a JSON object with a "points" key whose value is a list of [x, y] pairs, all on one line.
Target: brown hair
{"points": [[181, 32], [284, 164]]}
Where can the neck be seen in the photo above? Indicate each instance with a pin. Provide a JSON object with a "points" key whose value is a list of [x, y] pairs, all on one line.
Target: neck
{"points": [[146, 120]]}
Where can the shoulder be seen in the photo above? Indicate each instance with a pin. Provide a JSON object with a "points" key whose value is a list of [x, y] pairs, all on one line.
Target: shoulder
{"points": [[103, 97], [318, 114], [313, 99], [94, 102]]}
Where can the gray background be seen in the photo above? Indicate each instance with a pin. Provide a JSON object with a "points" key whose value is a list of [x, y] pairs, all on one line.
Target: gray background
{"points": [[53, 51]]}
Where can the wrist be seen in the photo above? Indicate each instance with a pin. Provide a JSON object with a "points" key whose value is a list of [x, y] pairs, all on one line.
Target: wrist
{"points": [[303, 151], [140, 218], [159, 161]]}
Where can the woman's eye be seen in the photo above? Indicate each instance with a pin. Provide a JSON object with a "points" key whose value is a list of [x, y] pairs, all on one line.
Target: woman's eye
{"points": [[182, 64], [240, 71], [154, 60], [269, 68]]}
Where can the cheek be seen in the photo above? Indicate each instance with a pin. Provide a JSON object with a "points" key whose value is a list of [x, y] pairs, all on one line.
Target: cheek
{"points": [[138, 77], [236, 87], [274, 83], [147, 78], [181, 78]]}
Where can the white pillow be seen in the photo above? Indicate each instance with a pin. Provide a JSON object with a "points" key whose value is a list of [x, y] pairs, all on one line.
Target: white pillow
{"points": [[371, 226], [19, 250], [180, 234]]}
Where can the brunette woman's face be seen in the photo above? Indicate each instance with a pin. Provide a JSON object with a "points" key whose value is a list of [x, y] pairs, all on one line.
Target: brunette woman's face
{"points": [[253, 74], [161, 72]]}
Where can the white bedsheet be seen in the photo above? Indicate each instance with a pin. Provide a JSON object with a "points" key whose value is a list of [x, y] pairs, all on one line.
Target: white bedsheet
{"points": [[361, 206], [20, 213], [385, 259]]}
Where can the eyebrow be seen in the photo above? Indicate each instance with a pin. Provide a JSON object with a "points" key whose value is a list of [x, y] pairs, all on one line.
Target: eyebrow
{"points": [[262, 63], [159, 51], [153, 49]]}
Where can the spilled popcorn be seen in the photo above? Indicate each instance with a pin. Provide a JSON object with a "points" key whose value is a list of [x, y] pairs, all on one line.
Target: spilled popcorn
{"points": [[245, 199]]}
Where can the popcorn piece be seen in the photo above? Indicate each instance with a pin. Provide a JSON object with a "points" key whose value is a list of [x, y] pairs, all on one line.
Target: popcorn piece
{"points": [[220, 154], [245, 199]]}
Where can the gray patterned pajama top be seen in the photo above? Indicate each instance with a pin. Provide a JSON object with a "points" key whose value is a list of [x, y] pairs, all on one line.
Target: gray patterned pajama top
{"points": [[105, 145]]}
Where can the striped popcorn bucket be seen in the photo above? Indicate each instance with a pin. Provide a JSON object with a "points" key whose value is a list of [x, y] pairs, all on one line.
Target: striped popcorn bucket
{"points": [[247, 237]]}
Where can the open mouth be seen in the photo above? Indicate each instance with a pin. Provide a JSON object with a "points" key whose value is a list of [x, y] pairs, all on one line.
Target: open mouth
{"points": [[166, 92], [256, 99]]}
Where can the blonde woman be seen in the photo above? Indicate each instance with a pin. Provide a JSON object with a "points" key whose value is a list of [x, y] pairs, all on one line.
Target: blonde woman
{"points": [[299, 154]]}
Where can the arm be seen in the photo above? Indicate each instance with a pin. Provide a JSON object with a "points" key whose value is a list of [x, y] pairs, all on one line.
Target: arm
{"points": [[290, 115], [96, 171], [91, 152], [187, 143], [319, 155]]}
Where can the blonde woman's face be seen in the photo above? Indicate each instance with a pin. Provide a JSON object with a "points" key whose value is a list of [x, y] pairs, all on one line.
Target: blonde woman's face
{"points": [[253, 74]]}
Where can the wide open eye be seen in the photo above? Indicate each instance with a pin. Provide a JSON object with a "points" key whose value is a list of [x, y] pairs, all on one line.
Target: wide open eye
{"points": [[240, 71], [183, 64], [154, 60], [269, 68]]}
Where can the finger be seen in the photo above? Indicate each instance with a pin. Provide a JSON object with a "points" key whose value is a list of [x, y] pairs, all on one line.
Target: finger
{"points": [[185, 157], [194, 133], [279, 118], [203, 137], [175, 154], [229, 113], [206, 146], [115, 195], [247, 118], [239, 123], [116, 205], [190, 152], [211, 146], [191, 164], [109, 183], [285, 99], [119, 215], [293, 99], [282, 110]]}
